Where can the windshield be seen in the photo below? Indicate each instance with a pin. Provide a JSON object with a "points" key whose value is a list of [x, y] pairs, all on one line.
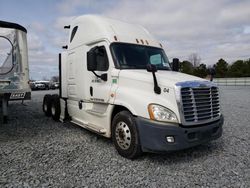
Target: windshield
{"points": [[132, 56]]}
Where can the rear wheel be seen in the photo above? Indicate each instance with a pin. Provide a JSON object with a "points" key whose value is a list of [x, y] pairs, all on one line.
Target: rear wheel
{"points": [[125, 135], [47, 104], [55, 107]]}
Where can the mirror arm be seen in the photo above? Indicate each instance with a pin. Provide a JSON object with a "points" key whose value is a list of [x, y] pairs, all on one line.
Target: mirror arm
{"points": [[96, 74], [157, 89], [103, 76], [153, 69]]}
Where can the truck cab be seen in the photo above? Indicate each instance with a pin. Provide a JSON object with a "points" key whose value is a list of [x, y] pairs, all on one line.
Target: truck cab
{"points": [[116, 80]]}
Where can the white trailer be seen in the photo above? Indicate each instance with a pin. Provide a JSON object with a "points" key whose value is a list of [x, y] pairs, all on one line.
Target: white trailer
{"points": [[117, 81], [14, 71]]}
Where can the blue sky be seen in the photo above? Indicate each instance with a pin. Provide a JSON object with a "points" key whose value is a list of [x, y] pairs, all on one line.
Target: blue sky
{"points": [[212, 29]]}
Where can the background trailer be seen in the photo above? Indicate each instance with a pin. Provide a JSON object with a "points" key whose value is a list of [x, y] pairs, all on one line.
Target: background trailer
{"points": [[14, 71]]}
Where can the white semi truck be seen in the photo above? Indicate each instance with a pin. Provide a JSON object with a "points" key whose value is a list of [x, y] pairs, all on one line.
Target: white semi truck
{"points": [[116, 80], [14, 68]]}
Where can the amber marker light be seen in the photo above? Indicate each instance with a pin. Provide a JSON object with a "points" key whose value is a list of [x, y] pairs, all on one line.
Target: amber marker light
{"points": [[151, 115]]}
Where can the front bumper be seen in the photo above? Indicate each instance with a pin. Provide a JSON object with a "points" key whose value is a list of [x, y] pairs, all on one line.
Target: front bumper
{"points": [[153, 135]]}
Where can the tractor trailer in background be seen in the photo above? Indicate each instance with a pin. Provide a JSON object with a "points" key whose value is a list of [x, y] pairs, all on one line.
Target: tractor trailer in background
{"points": [[116, 80], [14, 69]]}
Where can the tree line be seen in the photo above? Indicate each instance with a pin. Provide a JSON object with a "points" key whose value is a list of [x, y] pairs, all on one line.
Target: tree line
{"points": [[222, 69]]}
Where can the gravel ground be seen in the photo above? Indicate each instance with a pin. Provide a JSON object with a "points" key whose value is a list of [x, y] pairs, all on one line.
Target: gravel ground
{"points": [[35, 151]]}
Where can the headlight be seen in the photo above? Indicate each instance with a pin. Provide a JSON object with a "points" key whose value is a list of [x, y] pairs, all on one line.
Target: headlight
{"points": [[160, 113]]}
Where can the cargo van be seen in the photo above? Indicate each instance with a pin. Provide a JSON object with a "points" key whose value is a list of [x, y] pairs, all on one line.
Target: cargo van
{"points": [[116, 80]]}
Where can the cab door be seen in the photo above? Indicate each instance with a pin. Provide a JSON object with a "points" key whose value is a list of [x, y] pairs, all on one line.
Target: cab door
{"points": [[100, 79]]}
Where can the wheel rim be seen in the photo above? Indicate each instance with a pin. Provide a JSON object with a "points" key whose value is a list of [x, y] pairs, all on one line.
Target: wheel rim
{"points": [[123, 135], [53, 110], [45, 107]]}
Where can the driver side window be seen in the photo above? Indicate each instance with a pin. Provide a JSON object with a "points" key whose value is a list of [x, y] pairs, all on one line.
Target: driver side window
{"points": [[102, 59]]}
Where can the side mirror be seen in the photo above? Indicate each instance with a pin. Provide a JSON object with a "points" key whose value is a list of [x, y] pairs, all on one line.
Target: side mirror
{"points": [[176, 64], [91, 60], [104, 77], [151, 68]]}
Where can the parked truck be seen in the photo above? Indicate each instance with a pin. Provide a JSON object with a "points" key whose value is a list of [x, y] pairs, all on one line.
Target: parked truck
{"points": [[14, 69], [116, 80]]}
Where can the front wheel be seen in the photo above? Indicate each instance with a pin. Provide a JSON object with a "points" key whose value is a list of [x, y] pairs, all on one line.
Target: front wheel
{"points": [[125, 135]]}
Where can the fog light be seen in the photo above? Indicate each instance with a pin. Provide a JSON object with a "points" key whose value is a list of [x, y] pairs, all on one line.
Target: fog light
{"points": [[170, 139]]}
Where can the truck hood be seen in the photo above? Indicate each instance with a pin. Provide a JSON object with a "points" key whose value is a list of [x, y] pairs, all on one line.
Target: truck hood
{"points": [[164, 78]]}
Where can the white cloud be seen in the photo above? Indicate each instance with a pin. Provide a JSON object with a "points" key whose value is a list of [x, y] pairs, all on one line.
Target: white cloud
{"points": [[38, 27], [69, 6], [246, 29], [213, 29], [37, 72], [34, 42], [60, 22], [41, 60], [192, 26]]}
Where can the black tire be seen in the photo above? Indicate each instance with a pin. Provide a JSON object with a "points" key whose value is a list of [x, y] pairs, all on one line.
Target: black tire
{"points": [[126, 139], [5, 119], [55, 107], [47, 105]]}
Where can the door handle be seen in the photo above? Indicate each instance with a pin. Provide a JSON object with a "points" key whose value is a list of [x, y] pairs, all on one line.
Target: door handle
{"points": [[91, 91], [80, 104]]}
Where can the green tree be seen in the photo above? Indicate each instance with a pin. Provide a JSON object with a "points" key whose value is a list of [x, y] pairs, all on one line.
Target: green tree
{"points": [[239, 69], [201, 71], [221, 68], [248, 67], [186, 67]]}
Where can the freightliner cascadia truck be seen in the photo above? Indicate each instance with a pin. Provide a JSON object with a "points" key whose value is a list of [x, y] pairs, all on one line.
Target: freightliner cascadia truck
{"points": [[14, 67], [116, 80]]}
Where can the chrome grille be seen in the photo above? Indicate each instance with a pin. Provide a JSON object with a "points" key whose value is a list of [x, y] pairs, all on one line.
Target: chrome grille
{"points": [[200, 104]]}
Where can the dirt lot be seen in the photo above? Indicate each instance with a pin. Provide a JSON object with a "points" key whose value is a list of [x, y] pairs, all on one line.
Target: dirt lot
{"points": [[35, 151]]}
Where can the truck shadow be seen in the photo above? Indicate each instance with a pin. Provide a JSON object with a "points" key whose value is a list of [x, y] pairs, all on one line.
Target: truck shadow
{"points": [[191, 154], [28, 124], [25, 121], [198, 152]]}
